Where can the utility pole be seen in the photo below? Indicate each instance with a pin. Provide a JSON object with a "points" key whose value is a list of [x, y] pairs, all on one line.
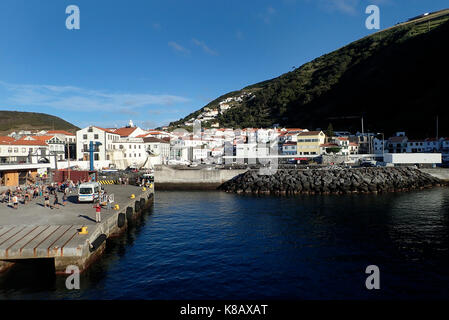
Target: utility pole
{"points": [[362, 127], [437, 127], [68, 160]]}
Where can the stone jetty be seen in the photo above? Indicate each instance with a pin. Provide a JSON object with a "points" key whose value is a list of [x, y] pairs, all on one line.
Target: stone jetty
{"points": [[332, 181]]}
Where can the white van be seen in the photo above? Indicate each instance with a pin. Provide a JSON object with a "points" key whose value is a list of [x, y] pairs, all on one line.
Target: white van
{"points": [[89, 191]]}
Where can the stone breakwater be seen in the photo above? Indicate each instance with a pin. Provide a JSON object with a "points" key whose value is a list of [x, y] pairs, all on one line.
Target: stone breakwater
{"points": [[332, 181]]}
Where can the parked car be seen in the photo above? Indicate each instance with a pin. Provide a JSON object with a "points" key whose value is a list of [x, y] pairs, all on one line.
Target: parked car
{"points": [[367, 164]]}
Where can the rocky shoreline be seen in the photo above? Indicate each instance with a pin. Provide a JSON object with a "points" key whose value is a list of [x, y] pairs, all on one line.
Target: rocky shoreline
{"points": [[332, 181]]}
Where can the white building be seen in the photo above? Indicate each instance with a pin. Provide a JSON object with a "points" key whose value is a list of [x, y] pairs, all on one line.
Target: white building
{"points": [[95, 134], [251, 150], [25, 151], [56, 145], [416, 146], [159, 150], [343, 143]]}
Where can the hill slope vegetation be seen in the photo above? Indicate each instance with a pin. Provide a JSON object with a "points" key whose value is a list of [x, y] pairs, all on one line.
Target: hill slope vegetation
{"points": [[15, 120], [396, 79]]}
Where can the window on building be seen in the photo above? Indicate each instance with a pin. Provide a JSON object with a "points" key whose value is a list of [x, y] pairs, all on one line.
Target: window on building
{"points": [[90, 129], [96, 136], [85, 136], [96, 156]]}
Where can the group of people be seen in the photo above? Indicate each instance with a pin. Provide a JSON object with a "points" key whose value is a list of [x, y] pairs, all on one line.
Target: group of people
{"points": [[123, 180], [33, 192]]}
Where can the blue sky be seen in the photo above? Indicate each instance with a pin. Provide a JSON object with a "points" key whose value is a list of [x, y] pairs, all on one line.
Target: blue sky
{"points": [[156, 61]]}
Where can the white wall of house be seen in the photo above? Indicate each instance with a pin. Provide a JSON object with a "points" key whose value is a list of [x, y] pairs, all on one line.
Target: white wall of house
{"points": [[84, 136]]}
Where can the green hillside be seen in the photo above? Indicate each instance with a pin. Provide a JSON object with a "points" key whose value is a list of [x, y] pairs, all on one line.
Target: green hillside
{"points": [[15, 120], [396, 79]]}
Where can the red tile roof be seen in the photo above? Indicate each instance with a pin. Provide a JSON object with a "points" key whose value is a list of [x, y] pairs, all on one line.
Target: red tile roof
{"points": [[329, 145], [103, 129], [6, 139], [309, 133], [60, 132], [42, 138], [125, 131]]}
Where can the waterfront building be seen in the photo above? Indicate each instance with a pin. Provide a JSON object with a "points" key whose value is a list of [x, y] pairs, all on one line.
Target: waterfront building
{"points": [[415, 146], [70, 141], [289, 148], [343, 143], [353, 148], [56, 146], [95, 134], [326, 148], [397, 144], [432, 145], [159, 150], [379, 146], [309, 142], [24, 151]]}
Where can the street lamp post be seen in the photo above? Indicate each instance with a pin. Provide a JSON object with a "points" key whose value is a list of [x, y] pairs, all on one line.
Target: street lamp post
{"points": [[383, 144]]}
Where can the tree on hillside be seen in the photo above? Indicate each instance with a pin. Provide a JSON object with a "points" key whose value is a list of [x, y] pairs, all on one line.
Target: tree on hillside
{"points": [[330, 131]]}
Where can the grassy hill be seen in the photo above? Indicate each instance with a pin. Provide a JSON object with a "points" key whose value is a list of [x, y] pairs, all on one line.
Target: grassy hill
{"points": [[396, 79], [15, 120]]}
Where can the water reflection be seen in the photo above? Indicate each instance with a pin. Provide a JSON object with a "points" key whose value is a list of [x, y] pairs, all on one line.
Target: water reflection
{"points": [[205, 245]]}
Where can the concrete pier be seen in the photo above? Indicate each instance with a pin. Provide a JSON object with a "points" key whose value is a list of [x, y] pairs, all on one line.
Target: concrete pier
{"points": [[35, 232], [167, 178], [440, 173]]}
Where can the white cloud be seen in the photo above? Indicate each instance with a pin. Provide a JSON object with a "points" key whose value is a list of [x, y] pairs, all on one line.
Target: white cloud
{"points": [[80, 99], [177, 47], [350, 7], [345, 6], [205, 48], [267, 15]]}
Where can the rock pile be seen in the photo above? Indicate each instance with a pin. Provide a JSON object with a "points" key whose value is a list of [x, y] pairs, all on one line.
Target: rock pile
{"points": [[339, 181]]}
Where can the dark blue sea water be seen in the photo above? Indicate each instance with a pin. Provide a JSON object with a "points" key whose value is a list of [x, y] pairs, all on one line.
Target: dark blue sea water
{"points": [[214, 245]]}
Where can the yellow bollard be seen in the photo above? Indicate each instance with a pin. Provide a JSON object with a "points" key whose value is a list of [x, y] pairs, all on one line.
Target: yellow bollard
{"points": [[116, 207], [133, 196], [151, 185], [144, 189], [83, 230]]}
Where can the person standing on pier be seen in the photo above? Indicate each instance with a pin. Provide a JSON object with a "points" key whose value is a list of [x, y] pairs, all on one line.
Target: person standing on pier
{"points": [[97, 212], [56, 201], [46, 200], [64, 199], [15, 201]]}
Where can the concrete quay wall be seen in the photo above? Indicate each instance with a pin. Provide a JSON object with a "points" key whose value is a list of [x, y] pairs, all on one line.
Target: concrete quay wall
{"points": [[440, 173], [192, 179], [39, 232]]}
